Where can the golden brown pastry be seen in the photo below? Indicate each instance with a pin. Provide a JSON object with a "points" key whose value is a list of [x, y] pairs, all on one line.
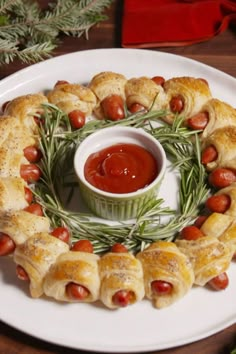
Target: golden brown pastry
{"points": [[105, 84], [13, 135], [189, 93], [80, 268], [36, 255], [25, 108], [209, 257], [168, 274], [144, 91], [69, 97], [224, 142], [221, 226], [220, 114], [12, 194], [20, 225], [120, 274], [10, 163]]}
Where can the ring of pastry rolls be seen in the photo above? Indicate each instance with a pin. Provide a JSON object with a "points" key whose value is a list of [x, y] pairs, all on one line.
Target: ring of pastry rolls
{"points": [[165, 271], [168, 274]]}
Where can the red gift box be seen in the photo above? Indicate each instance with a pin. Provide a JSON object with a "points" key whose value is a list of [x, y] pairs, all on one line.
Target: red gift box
{"points": [[160, 23]]}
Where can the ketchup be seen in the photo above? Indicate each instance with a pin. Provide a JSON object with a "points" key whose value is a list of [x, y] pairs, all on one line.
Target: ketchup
{"points": [[121, 168]]}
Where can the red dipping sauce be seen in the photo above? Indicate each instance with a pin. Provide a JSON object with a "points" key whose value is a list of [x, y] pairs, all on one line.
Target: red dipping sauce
{"points": [[121, 168]]}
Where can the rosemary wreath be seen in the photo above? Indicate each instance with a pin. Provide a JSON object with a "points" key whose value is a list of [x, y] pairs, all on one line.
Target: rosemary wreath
{"points": [[30, 33], [58, 142]]}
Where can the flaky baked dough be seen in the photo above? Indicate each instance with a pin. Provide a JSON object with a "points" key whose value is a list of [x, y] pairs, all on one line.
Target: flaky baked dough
{"points": [[20, 225], [221, 226], [209, 257], [224, 141], [10, 163], [164, 261], [25, 108], [12, 194], [69, 97], [144, 91], [77, 267], [36, 255], [195, 93], [13, 136], [120, 271], [105, 84], [221, 114]]}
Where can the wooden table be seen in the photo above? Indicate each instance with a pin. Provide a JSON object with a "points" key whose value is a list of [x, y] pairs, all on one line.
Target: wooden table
{"points": [[219, 52]]}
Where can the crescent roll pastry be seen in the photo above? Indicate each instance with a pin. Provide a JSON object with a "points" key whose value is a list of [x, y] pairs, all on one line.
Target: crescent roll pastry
{"points": [[221, 226], [224, 141], [193, 92], [120, 272], [146, 92], [10, 163], [69, 97], [209, 257], [25, 108], [162, 261], [73, 267], [12, 194], [36, 255], [20, 225], [13, 136], [220, 114], [105, 84]]}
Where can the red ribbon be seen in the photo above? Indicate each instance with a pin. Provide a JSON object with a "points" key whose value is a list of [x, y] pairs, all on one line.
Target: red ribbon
{"points": [[160, 23]]}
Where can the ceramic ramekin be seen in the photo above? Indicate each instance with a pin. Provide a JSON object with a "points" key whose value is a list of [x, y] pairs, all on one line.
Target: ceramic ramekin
{"points": [[115, 206]]}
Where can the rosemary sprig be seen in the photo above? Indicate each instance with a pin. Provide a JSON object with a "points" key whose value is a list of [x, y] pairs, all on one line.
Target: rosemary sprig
{"points": [[58, 141], [30, 34]]}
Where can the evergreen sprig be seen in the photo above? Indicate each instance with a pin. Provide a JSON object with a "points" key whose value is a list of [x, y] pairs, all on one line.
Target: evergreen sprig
{"points": [[155, 221], [30, 34]]}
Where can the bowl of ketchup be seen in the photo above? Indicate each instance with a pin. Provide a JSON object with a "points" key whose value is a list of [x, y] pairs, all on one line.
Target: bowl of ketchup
{"points": [[119, 169]]}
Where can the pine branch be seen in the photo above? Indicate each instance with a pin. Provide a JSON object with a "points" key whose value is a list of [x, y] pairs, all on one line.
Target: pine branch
{"points": [[30, 34], [10, 51]]}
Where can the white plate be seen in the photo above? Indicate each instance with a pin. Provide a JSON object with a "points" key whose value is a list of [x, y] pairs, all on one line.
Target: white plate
{"points": [[139, 327]]}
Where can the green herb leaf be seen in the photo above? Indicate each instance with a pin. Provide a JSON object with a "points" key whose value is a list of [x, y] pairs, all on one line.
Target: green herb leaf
{"points": [[30, 34], [155, 221]]}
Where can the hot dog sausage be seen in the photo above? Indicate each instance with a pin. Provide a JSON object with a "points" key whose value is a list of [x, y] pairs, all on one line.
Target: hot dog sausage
{"points": [[209, 154], [7, 245], [218, 203], [221, 177], [199, 121], [76, 291], [113, 107], [220, 282], [191, 232]]}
